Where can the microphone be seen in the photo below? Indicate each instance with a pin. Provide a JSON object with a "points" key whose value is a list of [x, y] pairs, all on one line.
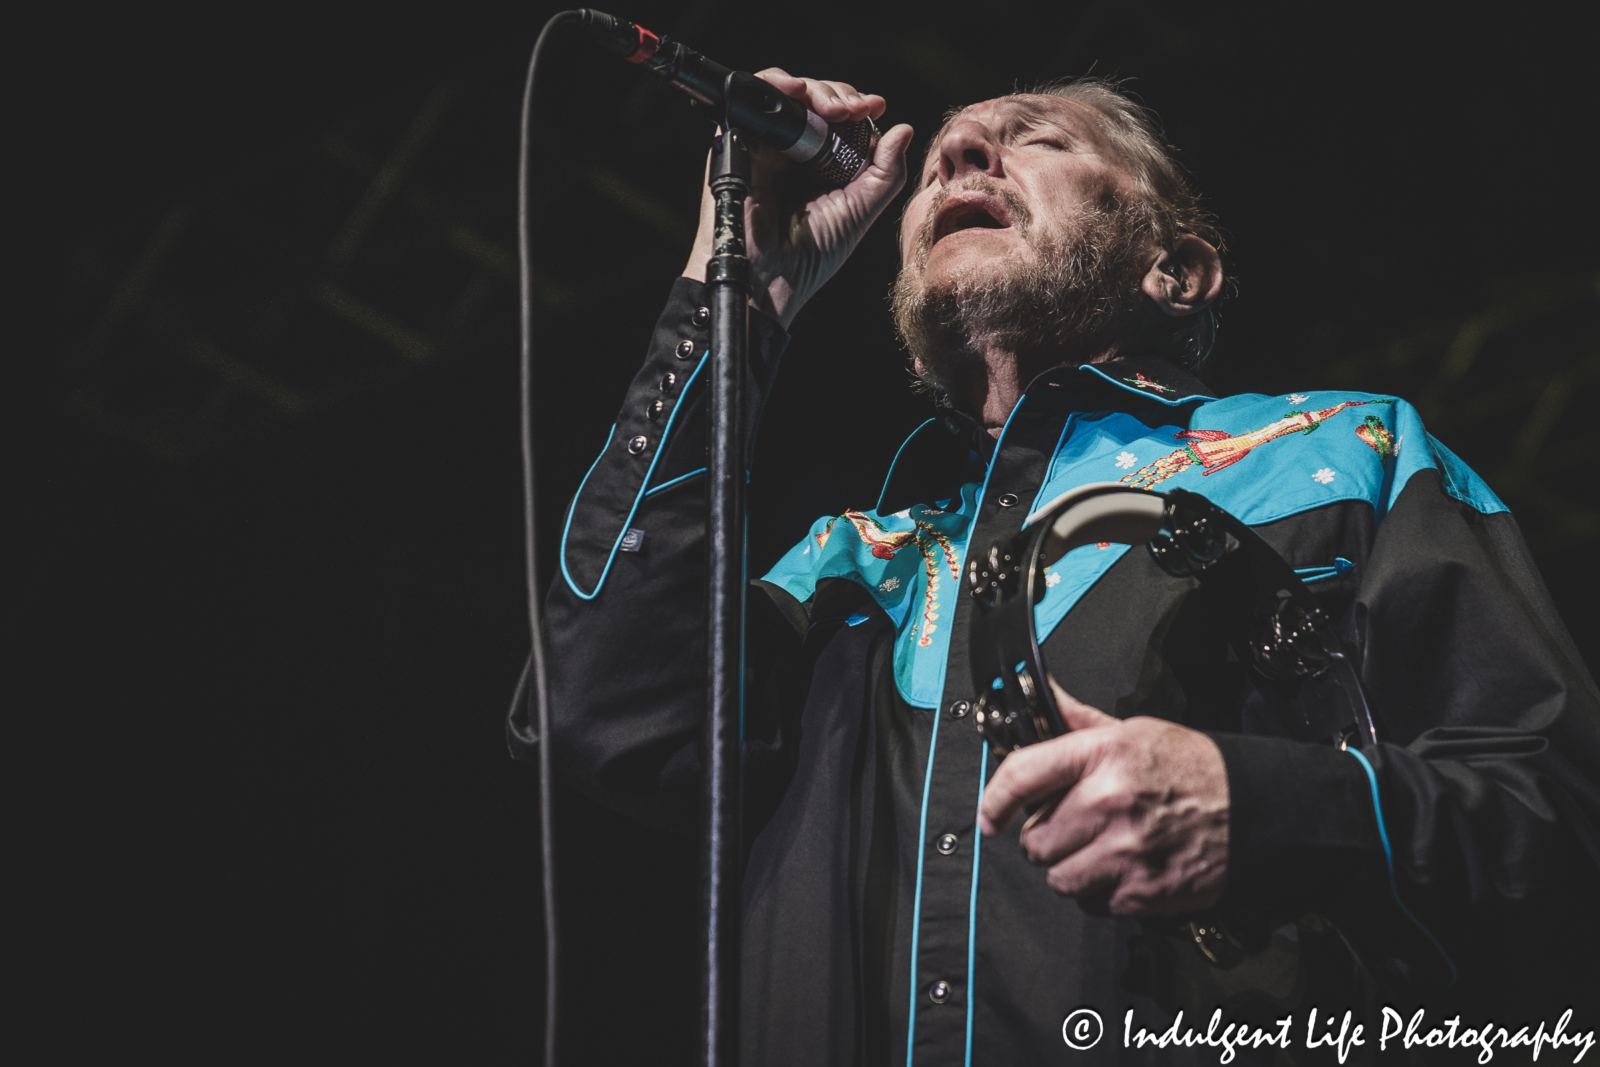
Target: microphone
{"points": [[834, 152]]}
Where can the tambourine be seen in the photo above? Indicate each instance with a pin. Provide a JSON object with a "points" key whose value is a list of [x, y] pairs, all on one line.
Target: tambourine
{"points": [[1275, 623]]}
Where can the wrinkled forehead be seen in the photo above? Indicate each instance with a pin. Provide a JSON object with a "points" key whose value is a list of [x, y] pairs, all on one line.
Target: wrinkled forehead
{"points": [[1022, 111]]}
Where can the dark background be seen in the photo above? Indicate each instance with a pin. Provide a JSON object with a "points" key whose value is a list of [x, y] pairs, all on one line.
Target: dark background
{"points": [[275, 584]]}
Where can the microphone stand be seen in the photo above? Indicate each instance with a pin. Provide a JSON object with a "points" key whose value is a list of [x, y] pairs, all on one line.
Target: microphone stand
{"points": [[728, 278]]}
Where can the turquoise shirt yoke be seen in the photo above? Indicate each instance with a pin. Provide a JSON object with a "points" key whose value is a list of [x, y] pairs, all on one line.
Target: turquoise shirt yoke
{"points": [[1263, 458]]}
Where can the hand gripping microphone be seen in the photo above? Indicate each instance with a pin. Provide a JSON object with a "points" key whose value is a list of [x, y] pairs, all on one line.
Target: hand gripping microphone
{"points": [[835, 152]]}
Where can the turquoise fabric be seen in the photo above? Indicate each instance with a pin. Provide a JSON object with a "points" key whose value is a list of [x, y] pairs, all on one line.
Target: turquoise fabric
{"points": [[1297, 452]]}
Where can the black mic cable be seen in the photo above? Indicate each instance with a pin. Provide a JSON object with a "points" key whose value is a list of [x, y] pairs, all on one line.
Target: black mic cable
{"points": [[536, 676], [835, 152]]}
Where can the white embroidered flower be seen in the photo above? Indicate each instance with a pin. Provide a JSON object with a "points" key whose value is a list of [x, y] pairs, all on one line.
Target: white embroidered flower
{"points": [[1126, 460], [889, 585], [1052, 580], [1325, 475], [1298, 398], [906, 514]]}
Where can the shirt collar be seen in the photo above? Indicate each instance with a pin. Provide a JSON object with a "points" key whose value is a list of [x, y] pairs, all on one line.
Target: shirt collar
{"points": [[945, 452], [1149, 377]]}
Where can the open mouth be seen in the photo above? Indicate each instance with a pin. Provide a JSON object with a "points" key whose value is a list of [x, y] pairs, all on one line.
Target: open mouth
{"points": [[969, 211]]}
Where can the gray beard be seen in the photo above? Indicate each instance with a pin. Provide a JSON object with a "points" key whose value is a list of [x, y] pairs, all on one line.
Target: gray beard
{"points": [[1065, 302]]}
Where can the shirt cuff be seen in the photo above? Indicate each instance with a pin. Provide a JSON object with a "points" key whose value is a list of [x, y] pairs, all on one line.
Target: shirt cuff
{"points": [[1302, 834]]}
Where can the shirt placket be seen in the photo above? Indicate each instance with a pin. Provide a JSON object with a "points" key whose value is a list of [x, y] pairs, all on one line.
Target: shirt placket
{"points": [[948, 876]]}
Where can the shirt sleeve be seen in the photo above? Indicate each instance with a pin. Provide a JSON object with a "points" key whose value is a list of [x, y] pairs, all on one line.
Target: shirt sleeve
{"points": [[625, 615], [1482, 797]]}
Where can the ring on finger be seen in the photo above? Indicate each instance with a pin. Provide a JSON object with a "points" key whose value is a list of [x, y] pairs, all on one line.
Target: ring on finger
{"points": [[1044, 812]]}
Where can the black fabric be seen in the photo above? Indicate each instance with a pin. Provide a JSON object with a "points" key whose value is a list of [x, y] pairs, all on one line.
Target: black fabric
{"points": [[1487, 775]]}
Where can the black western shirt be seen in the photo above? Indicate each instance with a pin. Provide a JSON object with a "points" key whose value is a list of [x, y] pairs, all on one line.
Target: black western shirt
{"points": [[879, 927]]}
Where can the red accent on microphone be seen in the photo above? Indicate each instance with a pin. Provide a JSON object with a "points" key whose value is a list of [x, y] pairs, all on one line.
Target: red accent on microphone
{"points": [[648, 43]]}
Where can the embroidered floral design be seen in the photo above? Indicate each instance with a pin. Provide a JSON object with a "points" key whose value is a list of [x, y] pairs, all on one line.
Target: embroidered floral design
{"points": [[1052, 580], [1215, 449], [1298, 398], [885, 543], [1378, 438], [889, 585], [1126, 460], [932, 543], [1325, 475], [1141, 382]]}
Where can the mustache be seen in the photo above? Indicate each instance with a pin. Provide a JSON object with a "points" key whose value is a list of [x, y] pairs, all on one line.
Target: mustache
{"points": [[1021, 217]]}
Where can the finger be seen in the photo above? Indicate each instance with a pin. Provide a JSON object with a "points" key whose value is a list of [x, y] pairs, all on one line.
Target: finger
{"points": [[1092, 874], [834, 101], [821, 97], [1079, 817], [857, 105], [1034, 773], [890, 156], [1040, 814], [888, 167], [783, 81], [862, 105], [1076, 714]]}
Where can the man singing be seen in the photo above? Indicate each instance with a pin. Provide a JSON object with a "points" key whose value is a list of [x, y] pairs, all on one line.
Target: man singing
{"points": [[1054, 293]]}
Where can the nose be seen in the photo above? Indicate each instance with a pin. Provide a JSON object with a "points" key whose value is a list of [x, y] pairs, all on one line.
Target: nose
{"points": [[968, 147]]}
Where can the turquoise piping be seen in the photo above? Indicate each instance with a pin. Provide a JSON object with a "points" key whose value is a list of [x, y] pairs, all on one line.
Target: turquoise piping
{"points": [[900, 452], [927, 780], [1388, 858], [1315, 574], [1173, 402], [1066, 430], [668, 484], [916, 904], [972, 908], [1340, 566], [666, 432]]}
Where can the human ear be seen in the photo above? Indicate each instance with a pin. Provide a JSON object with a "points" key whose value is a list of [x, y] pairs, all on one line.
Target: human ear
{"points": [[1185, 278]]}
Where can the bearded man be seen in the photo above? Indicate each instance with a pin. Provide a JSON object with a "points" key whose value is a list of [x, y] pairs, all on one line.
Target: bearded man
{"points": [[1057, 278]]}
